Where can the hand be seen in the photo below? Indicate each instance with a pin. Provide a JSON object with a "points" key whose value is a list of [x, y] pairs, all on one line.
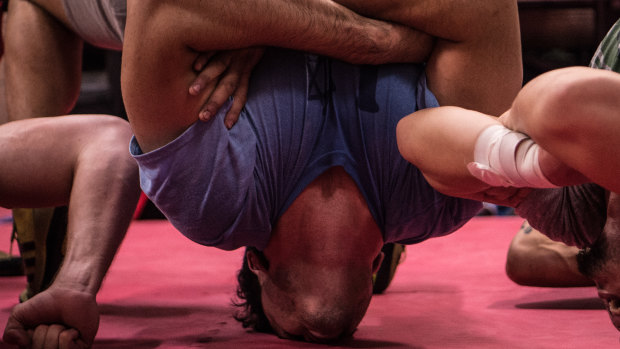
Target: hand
{"points": [[58, 317], [222, 75]]}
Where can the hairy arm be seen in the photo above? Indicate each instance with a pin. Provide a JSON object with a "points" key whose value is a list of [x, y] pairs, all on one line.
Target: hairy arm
{"points": [[476, 58], [162, 34], [476, 62], [319, 26]]}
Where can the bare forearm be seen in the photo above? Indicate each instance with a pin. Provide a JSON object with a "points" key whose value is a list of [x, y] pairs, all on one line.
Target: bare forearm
{"points": [[320, 26], [159, 32], [98, 181], [42, 63], [476, 62], [103, 198], [97, 226], [455, 20]]}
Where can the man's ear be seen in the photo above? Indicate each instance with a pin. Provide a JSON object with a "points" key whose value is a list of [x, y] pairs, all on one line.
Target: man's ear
{"points": [[254, 263], [376, 264]]}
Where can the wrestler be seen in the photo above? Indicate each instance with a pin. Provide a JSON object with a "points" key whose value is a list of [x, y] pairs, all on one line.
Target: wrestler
{"points": [[534, 259], [353, 193], [572, 116], [310, 175]]}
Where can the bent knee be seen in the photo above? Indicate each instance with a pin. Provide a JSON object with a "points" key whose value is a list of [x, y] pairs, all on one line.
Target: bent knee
{"points": [[109, 128], [563, 102], [109, 136]]}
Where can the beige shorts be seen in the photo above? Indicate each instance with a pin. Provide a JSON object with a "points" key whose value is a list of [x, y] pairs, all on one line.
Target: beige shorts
{"points": [[98, 22]]}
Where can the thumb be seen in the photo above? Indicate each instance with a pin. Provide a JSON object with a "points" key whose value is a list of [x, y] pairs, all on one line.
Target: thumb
{"points": [[70, 339], [15, 333]]}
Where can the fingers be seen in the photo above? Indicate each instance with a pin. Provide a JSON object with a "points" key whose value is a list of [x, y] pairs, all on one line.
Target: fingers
{"points": [[240, 95], [225, 75], [15, 333], [210, 68], [70, 339], [18, 328], [29, 323], [225, 88], [56, 337], [239, 98], [201, 61], [46, 337]]}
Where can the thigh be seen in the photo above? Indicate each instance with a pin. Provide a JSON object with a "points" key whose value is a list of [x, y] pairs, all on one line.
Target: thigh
{"points": [[54, 8], [43, 61]]}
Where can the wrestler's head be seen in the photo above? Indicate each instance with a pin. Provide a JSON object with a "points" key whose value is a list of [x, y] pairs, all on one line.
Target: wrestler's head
{"points": [[315, 276], [601, 261]]}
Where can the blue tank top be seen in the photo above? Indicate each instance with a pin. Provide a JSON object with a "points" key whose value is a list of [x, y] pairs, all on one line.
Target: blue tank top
{"points": [[304, 115]]}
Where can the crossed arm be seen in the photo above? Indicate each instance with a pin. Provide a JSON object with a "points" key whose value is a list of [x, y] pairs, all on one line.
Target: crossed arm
{"points": [[162, 37], [476, 62], [465, 67]]}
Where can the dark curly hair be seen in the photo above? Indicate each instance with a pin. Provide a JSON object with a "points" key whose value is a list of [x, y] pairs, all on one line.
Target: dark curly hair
{"points": [[591, 260], [248, 300]]}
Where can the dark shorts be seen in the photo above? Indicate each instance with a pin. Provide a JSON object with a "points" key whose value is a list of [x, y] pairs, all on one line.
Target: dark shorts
{"points": [[573, 215]]}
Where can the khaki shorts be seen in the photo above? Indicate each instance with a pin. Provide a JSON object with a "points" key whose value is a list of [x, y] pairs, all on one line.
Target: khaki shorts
{"points": [[98, 22]]}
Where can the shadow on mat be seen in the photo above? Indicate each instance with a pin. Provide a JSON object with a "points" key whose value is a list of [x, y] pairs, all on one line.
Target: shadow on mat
{"points": [[369, 343], [153, 311], [126, 344], [565, 304], [233, 342]]}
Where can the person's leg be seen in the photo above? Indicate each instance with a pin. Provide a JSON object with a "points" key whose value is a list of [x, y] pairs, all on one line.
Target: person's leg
{"points": [[574, 115], [535, 260], [570, 114], [394, 254], [42, 65], [43, 61]]}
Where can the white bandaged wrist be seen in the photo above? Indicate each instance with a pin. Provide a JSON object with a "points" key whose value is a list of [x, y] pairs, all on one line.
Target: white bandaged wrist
{"points": [[505, 158]]}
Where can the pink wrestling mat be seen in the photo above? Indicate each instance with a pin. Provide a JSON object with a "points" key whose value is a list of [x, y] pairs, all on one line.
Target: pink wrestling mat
{"points": [[165, 292]]}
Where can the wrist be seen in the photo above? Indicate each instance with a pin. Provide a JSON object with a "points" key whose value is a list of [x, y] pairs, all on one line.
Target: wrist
{"points": [[78, 276]]}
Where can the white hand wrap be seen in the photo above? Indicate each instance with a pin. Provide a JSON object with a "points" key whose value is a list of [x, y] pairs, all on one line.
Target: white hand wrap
{"points": [[505, 158]]}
